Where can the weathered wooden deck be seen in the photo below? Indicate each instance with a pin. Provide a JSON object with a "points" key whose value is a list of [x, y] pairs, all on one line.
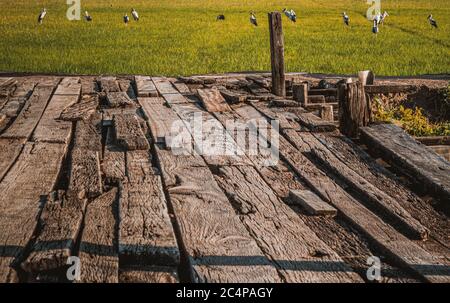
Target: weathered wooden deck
{"points": [[87, 170]]}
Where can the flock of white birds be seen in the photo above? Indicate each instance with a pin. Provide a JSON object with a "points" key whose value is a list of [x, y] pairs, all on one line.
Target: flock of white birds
{"points": [[378, 19]]}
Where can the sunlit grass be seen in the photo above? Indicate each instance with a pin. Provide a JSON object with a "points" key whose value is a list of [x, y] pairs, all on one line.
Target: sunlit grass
{"points": [[177, 37]]}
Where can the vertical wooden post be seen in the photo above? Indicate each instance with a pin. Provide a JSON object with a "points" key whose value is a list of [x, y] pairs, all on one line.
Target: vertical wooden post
{"points": [[277, 54], [326, 112], [366, 77], [354, 110], [300, 93]]}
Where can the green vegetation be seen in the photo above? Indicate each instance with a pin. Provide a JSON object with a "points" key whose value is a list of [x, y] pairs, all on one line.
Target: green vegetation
{"points": [[177, 37]]}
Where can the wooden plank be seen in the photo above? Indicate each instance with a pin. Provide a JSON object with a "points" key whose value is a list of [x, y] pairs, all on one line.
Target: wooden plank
{"points": [[300, 93], [32, 176], [127, 87], [389, 89], [215, 241], [312, 203], [181, 86], [69, 86], [148, 274], [113, 163], [160, 119], [146, 235], [318, 106], [30, 115], [98, 254], [434, 140], [60, 223], [398, 247], [372, 194], [82, 110], [398, 147], [128, 132], [212, 100], [118, 99], [85, 175], [88, 134], [145, 87], [163, 86], [326, 112], [280, 232], [323, 92], [109, 85], [277, 54], [175, 98], [108, 113], [233, 97], [15, 103], [10, 149], [314, 123], [6, 90], [259, 92], [89, 86], [316, 99], [50, 128]]}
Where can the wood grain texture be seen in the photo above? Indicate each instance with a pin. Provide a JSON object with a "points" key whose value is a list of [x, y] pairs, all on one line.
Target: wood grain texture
{"points": [[212, 100], [69, 86], [109, 84], [175, 98], [15, 103], [113, 162], [164, 86], [314, 123], [128, 132], [118, 99], [425, 165], [32, 176], [82, 110], [145, 87], [85, 176], [312, 203], [277, 54], [98, 254], [50, 128], [354, 108], [214, 239], [148, 274], [10, 150], [180, 86]]}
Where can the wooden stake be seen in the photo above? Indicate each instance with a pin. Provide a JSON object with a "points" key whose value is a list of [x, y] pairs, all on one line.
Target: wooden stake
{"points": [[366, 77], [354, 110], [277, 54], [300, 93], [326, 112]]}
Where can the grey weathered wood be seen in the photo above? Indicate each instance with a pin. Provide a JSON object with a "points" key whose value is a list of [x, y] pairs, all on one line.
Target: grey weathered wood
{"points": [[284, 103], [201, 208], [315, 123], [32, 176], [89, 86], [88, 134], [30, 114], [366, 77], [113, 162], [69, 86], [146, 235], [15, 103], [300, 92], [316, 99], [277, 54], [434, 140], [354, 108], [164, 86], [10, 149], [260, 93], [148, 274], [108, 113], [118, 99], [212, 100], [82, 110], [60, 223], [50, 128], [372, 194], [109, 84], [401, 149], [233, 97], [312, 203], [318, 106], [85, 175], [175, 98], [145, 87], [389, 89], [128, 132], [98, 254], [127, 87], [180, 86]]}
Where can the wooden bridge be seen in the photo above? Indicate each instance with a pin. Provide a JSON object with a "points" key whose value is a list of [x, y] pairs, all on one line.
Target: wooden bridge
{"points": [[88, 168]]}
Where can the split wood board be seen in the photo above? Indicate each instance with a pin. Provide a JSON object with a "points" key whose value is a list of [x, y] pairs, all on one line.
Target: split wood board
{"points": [[145, 87], [69, 86]]}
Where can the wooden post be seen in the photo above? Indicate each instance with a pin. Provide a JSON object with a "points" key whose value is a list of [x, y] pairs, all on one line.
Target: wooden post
{"points": [[366, 77], [277, 54], [354, 110], [300, 93], [326, 112]]}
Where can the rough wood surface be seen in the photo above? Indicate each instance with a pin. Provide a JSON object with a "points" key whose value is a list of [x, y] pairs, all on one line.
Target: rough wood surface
{"points": [[212, 100], [50, 128], [314, 123], [277, 54], [60, 223], [146, 234], [180, 86], [389, 89], [260, 93], [85, 176], [148, 274], [82, 110], [215, 241], [164, 86], [354, 109], [373, 195], [113, 163], [118, 99], [10, 149], [20, 200], [126, 86], [312, 203], [232, 97], [175, 98], [326, 112], [88, 134], [69, 86], [128, 132], [145, 87], [89, 86], [425, 165], [98, 254], [15, 103], [109, 84], [323, 92], [30, 115], [300, 93]]}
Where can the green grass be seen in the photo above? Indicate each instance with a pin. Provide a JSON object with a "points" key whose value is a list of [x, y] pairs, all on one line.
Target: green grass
{"points": [[176, 37]]}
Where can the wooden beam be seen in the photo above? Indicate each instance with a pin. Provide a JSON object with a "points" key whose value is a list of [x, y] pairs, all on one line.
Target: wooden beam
{"points": [[389, 89], [354, 109], [326, 112], [128, 132], [69, 86], [118, 99], [366, 77], [82, 110], [212, 100], [109, 84], [148, 274], [277, 54], [312, 203], [300, 93], [164, 86]]}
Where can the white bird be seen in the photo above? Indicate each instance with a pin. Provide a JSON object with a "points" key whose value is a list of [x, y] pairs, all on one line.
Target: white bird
{"points": [[126, 19], [375, 27], [290, 14], [87, 17], [377, 18], [346, 18], [432, 21], [253, 19], [42, 15], [135, 14], [383, 17]]}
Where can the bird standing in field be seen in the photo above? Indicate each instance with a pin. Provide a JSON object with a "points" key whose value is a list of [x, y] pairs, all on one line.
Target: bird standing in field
{"points": [[42, 16], [433, 22], [135, 14], [290, 14], [220, 17], [87, 17], [377, 18], [346, 18], [253, 19], [375, 27], [383, 17], [126, 19]]}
